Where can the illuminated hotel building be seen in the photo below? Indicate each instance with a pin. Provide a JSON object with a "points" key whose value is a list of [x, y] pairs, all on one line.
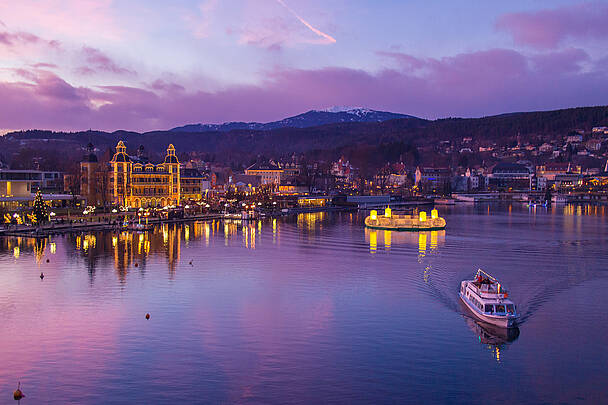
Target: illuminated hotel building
{"points": [[135, 182], [138, 184]]}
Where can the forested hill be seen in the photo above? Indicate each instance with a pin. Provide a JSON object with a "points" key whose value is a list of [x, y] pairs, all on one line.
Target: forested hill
{"points": [[328, 140]]}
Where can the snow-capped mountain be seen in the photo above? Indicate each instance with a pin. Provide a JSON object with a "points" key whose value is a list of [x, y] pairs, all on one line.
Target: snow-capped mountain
{"points": [[311, 118]]}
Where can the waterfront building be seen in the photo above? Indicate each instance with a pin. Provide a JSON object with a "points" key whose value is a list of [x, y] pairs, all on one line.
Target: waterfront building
{"points": [[133, 181], [510, 176], [89, 177], [550, 170], [144, 185], [18, 188], [433, 179], [193, 184], [343, 169], [245, 182], [268, 172], [314, 201], [593, 145], [294, 187], [574, 138], [289, 170]]}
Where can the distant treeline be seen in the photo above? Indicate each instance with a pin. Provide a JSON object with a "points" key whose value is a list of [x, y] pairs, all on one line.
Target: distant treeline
{"points": [[365, 144]]}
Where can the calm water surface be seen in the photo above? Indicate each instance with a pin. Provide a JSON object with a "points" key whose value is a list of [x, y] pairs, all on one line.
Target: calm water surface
{"points": [[309, 309]]}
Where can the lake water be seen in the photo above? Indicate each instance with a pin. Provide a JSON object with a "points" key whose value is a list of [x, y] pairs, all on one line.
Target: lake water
{"points": [[309, 309]]}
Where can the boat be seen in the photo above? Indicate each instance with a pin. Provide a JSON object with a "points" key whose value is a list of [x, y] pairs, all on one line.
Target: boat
{"points": [[488, 300], [392, 222]]}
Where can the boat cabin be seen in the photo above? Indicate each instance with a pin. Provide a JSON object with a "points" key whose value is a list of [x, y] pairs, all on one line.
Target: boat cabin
{"points": [[488, 297]]}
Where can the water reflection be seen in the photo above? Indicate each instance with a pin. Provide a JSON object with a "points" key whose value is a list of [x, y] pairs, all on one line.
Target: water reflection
{"points": [[494, 338], [427, 242], [130, 249], [311, 220], [36, 247]]}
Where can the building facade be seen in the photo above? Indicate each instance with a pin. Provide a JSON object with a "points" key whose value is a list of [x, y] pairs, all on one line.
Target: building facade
{"points": [[134, 182], [268, 172], [511, 177], [144, 184]]}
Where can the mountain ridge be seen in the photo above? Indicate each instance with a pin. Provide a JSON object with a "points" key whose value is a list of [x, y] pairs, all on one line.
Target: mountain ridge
{"points": [[312, 118]]}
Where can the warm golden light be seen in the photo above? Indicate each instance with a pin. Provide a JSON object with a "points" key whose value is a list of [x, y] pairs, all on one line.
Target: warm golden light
{"points": [[53, 248], [433, 239], [373, 241], [422, 242], [434, 214], [423, 217], [387, 212], [373, 214], [16, 252]]}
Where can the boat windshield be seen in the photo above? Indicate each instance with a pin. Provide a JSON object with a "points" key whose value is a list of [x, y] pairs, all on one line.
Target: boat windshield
{"points": [[500, 308], [510, 309]]}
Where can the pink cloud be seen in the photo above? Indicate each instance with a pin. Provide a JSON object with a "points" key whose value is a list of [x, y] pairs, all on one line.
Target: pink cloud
{"points": [[18, 39], [43, 65], [549, 28], [469, 84], [99, 61]]}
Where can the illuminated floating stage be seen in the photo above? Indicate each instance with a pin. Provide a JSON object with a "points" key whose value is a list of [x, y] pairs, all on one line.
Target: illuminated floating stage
{"points": [[414, 223]]}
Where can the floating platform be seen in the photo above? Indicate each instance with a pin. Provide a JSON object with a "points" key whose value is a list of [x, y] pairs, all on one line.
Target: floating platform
{"points": [[412, 223]]}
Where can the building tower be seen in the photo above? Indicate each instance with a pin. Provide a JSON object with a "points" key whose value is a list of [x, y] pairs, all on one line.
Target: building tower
{"points": [[88, 168], [172, 167], [120, 181]]}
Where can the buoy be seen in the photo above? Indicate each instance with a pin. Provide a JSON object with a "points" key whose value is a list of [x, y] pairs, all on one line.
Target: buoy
{"points": [[190, 262], [136, 264], [147, 316], [41, 276], [47, 260], [18, 394]]}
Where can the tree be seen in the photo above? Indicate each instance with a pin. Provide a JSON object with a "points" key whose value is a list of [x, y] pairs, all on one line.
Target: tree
{"points": [[39, 209], [548, 196]]}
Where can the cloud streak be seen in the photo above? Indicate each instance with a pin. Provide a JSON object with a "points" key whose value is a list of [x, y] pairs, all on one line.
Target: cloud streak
{"points": [[326, 38]]}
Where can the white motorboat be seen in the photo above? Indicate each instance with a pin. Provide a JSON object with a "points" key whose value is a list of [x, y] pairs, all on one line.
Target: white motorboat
{"points": [[488, 300]]}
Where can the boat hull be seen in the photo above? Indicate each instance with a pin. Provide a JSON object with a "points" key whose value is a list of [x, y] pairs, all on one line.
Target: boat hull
{"points": [[392, 228], [405, 223], [497, 320]]}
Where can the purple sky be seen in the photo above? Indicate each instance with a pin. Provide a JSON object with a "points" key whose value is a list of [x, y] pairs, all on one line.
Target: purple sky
{"points": [[144, 65]]}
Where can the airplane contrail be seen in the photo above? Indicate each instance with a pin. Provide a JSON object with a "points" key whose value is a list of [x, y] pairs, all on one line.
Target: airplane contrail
{"points": [[329, 38]]}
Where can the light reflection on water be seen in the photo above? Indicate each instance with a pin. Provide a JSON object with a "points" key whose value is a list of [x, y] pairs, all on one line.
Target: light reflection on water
{"points": [[313, 308]]}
